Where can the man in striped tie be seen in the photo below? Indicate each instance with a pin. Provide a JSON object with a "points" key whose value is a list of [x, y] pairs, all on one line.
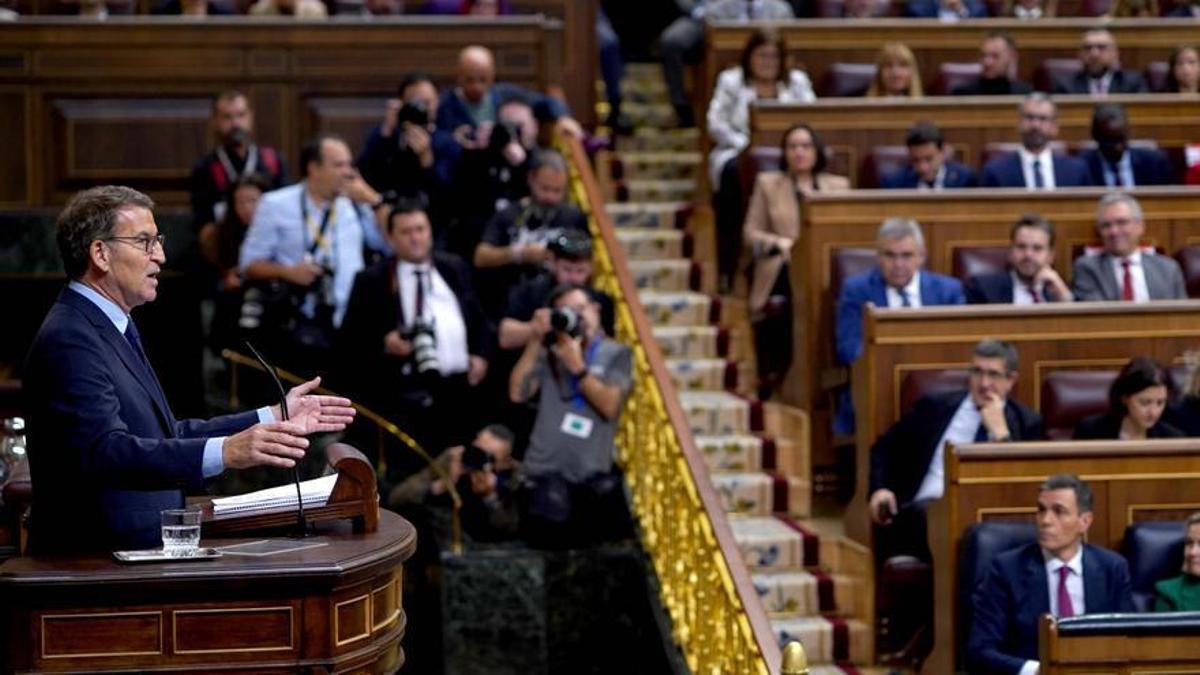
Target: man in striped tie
{"points": [[1058, 574]]}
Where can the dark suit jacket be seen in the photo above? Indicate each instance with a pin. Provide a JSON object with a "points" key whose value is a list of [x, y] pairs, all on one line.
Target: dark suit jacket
{"points": [[1006, 172], [1184, 415], [957, 176], [1092, 278], [995, 288], [452, 112], [1123, 82], [1001, 86], [869, 286], [1150, 167], [1106, 426], [1014, 594], [106, 454], [928, 9], [374, 310], [901, 457]]}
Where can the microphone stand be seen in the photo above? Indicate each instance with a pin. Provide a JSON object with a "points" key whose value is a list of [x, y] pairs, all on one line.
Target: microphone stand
{"points": [[301, 522]]}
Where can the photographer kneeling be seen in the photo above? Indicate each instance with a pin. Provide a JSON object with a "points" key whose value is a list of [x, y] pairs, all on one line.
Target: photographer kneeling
{"points": [[573, 492]]}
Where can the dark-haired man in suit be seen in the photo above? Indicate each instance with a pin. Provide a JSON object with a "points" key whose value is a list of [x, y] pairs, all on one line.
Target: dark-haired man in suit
{"points": [[1101, 74], [1034, 166], [907, 461], [1059, 574], [1030, 278], [1113, 163], [1122, 271], [106, 453], [928, 167], [997, 62]]}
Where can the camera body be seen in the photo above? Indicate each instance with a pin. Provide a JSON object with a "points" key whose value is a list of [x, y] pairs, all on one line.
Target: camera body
{"points": [[503, 133], [413, 112], [424, 343], [565, 321]]}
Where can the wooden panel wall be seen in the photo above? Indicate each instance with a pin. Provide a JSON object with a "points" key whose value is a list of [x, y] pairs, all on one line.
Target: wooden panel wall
{"points": [[949, 220], [851, 127], [127, 100]]}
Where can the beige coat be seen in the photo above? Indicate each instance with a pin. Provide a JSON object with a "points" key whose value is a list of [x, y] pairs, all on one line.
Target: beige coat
{"points": [[774, 215]]}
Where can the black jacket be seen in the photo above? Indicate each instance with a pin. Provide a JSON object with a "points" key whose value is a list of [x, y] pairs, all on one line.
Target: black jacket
{"points": [[1000, 86], [901, 457], [996, 288], [1107, 426], [1123, 82]]}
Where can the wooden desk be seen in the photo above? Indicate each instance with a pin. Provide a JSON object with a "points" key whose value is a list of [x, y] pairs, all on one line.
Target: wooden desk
{"points": [[127, 100], [1123, 644], [335, 607], [1131, 482], [814, 44], [949, 220], [852, 127], [1048, 337]]}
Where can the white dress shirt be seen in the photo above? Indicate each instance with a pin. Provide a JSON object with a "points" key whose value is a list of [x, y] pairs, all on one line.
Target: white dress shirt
{"points": [[1099, 86], [1021, 294], [939, 181], [440, 308], [1045, 161], [1124, 168], [1074, 589], [1141, 292], [962, 429], [913, 289]]}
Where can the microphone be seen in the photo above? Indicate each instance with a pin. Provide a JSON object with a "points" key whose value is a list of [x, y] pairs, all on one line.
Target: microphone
{"points": [[301, 528]]}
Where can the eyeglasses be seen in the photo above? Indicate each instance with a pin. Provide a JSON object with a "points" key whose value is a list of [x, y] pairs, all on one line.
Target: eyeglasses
{"points": [[986, 373], [146, 242]]}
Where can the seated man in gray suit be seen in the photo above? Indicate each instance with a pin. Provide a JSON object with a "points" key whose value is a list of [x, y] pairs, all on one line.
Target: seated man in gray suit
{"points": [[1122, 271]]}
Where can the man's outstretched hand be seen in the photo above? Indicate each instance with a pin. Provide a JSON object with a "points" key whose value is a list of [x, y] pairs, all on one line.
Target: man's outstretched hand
{"points": [[312, 413], [279, 444]]}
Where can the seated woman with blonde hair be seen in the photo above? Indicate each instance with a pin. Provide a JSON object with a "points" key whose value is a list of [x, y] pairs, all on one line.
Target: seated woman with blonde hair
{"points": [[896, 73], [771, 229], [1182, 593]]}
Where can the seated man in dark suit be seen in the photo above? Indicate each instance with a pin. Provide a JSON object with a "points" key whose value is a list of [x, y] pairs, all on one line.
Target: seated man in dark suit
{"points": [[1122, 271], [946, 10], [907, 462], [1034, 166], [897, 281], [1059, 575], [1101, 74], [1113, 163], [928, 168], [1030, 278], [106, 453], [998, 61]]}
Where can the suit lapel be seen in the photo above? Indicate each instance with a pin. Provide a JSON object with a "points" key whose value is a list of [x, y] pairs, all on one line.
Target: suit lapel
{"points": [[1107, 280], [878, 289], [133, 362], [1155, 284], [1036, 589], [1094, 583]]}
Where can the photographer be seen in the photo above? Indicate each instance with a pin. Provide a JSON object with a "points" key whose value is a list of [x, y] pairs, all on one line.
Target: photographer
{"points": [[414, 344], [580, 378], [406, 154], [515, 241]]}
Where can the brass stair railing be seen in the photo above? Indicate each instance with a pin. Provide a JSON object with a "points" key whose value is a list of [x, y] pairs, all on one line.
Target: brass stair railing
{"points": [[717, 620]]}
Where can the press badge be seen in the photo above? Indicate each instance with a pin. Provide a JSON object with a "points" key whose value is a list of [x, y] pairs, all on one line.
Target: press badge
{"points": [[576, 425]]}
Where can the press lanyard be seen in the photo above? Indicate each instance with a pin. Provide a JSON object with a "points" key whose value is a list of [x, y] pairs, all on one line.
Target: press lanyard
{"points": [[309, 227], [577, 398], [247, 169]]}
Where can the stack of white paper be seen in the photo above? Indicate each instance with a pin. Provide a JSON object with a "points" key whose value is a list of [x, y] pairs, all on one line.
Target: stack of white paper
{"points": [[315, 492]]}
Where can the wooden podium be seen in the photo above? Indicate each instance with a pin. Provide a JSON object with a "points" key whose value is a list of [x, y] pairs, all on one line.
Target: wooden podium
{"points": [[334, 608]]}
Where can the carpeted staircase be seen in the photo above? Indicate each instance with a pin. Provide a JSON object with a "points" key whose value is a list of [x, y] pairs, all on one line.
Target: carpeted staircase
{"points": [[809, 580]]}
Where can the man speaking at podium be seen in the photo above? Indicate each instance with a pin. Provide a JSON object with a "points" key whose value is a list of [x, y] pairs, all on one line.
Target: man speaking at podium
{"points": [[106, 454]]}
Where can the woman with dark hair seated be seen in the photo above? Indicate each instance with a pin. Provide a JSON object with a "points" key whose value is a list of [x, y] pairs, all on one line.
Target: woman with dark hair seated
{"points": [[1182, 593], [1135, 405]]}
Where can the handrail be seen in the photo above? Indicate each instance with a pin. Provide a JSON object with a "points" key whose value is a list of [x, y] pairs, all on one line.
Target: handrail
{"points": [[239, 359], [717, 620]]}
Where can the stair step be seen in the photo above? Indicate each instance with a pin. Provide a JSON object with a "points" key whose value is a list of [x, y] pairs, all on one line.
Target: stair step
{"points": [[646, 244], [656, 165], [658, 190], [768, 543], [702, 374], [825, 640], [734, 453], [745, 493], [678, 308], [650, 114], [637, 91], [665, 275], [694, 342], [649, 139], [647, 215], [806, 593], [713, 413]]}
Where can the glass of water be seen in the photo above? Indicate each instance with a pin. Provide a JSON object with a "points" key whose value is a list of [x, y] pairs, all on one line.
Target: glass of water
{"points": [[181, 532]]}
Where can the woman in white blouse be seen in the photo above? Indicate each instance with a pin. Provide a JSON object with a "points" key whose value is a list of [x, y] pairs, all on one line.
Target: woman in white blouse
{"points": [[762, 74]]}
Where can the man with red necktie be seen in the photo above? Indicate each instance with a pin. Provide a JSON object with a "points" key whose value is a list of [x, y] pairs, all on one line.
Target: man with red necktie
{"points": [[1030, 278], [1123, 270], [1058, 574]]}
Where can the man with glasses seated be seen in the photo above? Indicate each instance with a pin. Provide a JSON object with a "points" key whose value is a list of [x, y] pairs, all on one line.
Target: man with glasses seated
{"points": [[897, 281], [907, 462]]}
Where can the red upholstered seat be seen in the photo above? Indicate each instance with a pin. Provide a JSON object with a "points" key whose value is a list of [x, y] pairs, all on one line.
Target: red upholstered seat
{"points": [[1156, 75], [1053, 70], [1095, 7], [1188, 258], [1070, 395], [847, 79], [955, 74], [883, 160], [969, 261], [922, 382], [846, 263]]}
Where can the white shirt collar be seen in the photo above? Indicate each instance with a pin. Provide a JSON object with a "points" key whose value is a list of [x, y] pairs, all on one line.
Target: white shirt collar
{"points": [[115, 314], [1053, 562], [1135, 258]]}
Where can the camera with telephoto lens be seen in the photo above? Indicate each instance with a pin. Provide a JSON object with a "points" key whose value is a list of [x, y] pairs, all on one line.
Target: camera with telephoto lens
{"points": [[503, 133], [413, 112], [424, 346], [565, 321]]}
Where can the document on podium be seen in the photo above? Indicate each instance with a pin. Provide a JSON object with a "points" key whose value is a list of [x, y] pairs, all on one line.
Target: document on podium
{"points": [[315, 492]]}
